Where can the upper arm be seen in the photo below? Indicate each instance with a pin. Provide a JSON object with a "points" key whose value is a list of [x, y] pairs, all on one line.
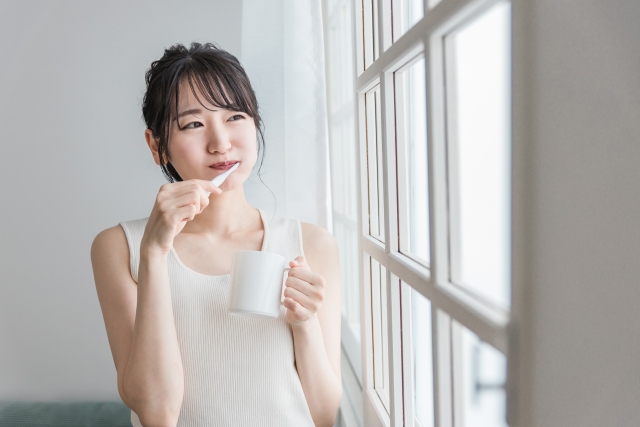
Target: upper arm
{"points": [[117, 293], [321, 253]]}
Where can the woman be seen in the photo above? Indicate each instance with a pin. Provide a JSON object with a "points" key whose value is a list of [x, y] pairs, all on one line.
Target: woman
{"points": [[162, 281]]}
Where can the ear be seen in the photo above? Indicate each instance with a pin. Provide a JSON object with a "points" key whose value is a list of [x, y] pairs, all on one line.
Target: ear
{"points": [[153, 145]]}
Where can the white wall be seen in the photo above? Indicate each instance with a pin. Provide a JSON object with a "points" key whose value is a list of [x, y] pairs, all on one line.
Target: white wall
{"points": [[578, 262], [74, 161]]}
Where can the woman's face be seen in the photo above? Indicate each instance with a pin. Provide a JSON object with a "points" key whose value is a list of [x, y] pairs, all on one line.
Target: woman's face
{"points": [[209, 136]]}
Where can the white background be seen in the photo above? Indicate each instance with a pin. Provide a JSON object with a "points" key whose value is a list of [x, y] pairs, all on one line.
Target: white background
{"points": [[74, 162]]}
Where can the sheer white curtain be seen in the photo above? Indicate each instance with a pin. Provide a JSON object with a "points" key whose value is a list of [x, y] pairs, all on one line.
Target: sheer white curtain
{"points": [[283, 54]]}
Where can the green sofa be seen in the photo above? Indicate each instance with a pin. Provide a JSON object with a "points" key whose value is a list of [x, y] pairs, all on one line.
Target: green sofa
{"points": [[74, 414]]}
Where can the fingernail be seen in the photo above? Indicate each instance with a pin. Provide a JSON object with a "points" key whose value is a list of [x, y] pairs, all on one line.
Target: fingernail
{"points": [[295, 262]]}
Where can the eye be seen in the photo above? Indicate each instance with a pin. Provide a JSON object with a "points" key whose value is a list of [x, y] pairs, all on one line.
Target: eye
{"points": [[240, 116], [193, 123]]}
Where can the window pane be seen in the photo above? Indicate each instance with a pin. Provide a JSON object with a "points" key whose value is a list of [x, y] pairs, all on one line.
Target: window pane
{"points": [[369, 16], [379, 287], [374, 164], [481, 379], [421, 358], [412, 161], [376, 37], [480, 152], [406, 14]]}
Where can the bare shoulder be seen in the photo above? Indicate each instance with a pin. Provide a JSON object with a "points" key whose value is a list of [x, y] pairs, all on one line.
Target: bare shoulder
{"points": [[108, 237], [317, 240], [321, 252], [110, 246]]}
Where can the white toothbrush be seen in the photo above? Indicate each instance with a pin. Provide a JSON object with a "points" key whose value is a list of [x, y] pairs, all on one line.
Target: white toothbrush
{"points": [[218, 180]]}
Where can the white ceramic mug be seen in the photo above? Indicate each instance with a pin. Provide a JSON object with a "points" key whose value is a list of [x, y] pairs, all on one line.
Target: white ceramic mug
{"points": [[257, 284]]}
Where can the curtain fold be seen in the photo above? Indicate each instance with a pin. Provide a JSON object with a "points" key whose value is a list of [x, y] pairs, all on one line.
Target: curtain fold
{"points": [[283, 54]]}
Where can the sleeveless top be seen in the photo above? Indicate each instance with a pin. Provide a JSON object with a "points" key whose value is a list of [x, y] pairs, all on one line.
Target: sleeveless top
{"points": [[238, 371]]}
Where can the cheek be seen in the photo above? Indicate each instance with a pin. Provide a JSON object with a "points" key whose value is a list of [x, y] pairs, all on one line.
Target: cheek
{"points": [[248, 141], [183, 153], [185, 157]]}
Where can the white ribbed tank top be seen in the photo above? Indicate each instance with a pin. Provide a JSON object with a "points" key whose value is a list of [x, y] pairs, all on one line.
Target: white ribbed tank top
{"points": [[238, 371]]}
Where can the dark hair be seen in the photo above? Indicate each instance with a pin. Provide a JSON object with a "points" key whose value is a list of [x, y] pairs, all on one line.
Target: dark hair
{"points": [[214, 71]]}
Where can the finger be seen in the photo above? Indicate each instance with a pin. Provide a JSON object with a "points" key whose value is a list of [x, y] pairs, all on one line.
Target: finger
{"points": [[297, 310], [193, 187], [209, 186], [185, 187], [302, 286], [299, 261], [185, 213], [304, 273], [306, 301], [204, 199], [180, 186], [190, 198]]}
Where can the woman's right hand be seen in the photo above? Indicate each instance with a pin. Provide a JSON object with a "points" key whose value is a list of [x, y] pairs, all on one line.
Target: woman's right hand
{"points": [[176, 203]]}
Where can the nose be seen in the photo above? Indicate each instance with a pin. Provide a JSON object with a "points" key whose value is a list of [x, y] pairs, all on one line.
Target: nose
{"points": [[218, 140]]}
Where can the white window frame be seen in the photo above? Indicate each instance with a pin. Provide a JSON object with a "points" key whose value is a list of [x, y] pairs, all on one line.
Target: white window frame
{"points": [[448, 301]]}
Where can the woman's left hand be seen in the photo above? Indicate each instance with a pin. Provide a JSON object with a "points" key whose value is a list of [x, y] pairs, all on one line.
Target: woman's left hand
{"points": [[304, 292]]}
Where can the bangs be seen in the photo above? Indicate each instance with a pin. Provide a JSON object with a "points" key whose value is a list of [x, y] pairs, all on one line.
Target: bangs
{"points": [[216, 85]]}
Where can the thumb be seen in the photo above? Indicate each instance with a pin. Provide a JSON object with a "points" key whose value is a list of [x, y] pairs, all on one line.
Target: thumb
{"points": [[299, 261], [209, 187]]}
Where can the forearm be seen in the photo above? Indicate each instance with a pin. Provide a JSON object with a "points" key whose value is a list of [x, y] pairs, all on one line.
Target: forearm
{"points": [[322, 388], [153, 381]]}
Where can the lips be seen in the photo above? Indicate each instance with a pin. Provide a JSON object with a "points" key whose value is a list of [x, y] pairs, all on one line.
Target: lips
{"points": [[225, 163]]}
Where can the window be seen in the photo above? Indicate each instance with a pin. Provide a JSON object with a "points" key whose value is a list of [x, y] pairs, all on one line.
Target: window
{"points": [[379, 304], [417, 338], [479, 380], [412, 166], [476, 60], [374, 164], [428, 153]]}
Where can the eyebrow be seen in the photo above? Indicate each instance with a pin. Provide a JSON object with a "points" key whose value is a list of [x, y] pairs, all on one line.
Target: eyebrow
{"points": [[192, 111]]}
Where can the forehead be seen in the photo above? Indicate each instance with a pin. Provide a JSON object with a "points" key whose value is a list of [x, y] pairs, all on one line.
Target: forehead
{"points": [[187, 99]]}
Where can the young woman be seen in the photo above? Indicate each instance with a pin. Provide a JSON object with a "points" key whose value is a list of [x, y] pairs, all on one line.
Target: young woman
{"points": [[162, 280]]}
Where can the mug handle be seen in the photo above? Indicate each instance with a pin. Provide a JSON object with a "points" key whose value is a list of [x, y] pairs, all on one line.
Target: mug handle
{"points": [[284, 279]]}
